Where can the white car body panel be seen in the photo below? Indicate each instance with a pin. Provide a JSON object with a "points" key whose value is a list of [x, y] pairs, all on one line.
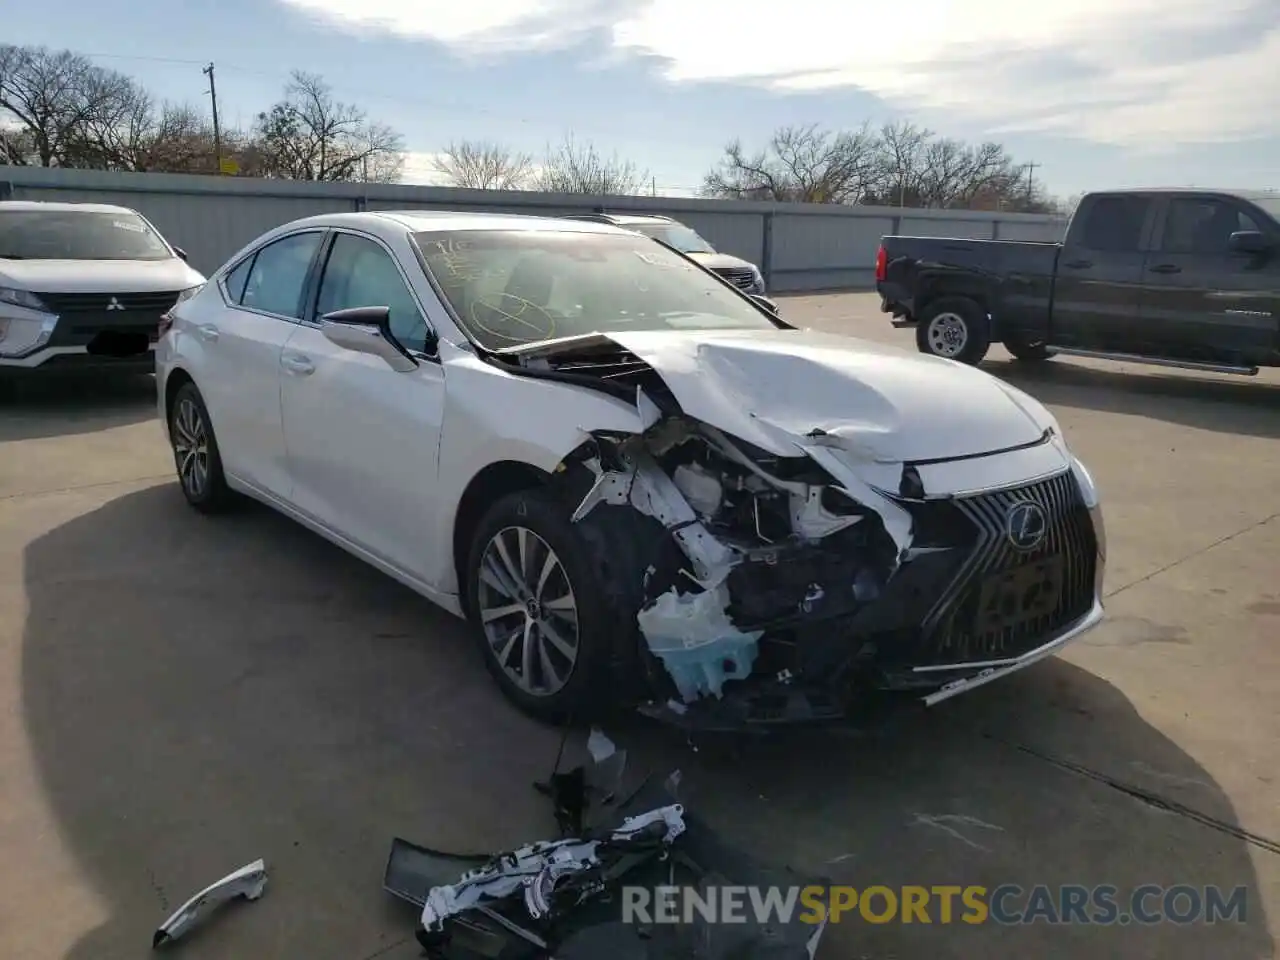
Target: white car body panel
{"points": [[378, 461], [237, 361], [98, 276], [885, 403], [361, 443]]}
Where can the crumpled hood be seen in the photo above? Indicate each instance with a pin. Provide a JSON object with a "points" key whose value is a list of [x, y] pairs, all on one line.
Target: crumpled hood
{"points": [[98, 276], [721, 261], [773, 388]]}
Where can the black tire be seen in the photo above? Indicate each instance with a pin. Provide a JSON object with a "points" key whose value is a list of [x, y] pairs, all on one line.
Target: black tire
{"points": [[606, 635], [195, 453], [954, 328], [1026, 351]]}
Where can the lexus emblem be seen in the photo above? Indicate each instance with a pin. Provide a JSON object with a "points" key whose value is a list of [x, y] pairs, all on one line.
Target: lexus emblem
{"points": [[1025, 525], [114, 304]]}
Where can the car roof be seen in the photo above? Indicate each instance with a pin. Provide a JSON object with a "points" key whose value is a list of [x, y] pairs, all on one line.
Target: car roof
{"points": [[623, 219], [53, 206], [1224, 191], [433, 221]]}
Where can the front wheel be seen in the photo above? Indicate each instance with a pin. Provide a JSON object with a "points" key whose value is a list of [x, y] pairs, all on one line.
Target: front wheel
{"points": [[541, 605], [954, 328]]}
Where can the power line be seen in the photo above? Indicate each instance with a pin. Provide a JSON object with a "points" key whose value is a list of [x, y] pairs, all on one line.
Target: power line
{"points": [[455, 106]]}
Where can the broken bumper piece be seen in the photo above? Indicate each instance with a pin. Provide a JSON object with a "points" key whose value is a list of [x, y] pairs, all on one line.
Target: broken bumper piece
{"points": [[247, 882], [562, 898]]}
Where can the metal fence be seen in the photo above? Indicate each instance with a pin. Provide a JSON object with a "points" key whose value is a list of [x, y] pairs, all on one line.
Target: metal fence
{"points": [[799, 246]]}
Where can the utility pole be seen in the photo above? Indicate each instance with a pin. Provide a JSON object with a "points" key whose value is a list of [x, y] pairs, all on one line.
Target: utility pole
{"points": [[217, 133], [1031, 171], [653, 186]]}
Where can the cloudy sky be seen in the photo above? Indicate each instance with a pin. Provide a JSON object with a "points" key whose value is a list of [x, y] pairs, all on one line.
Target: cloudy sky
{"points": [[1098, 93]]}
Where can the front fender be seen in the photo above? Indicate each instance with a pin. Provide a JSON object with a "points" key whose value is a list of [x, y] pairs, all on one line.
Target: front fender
{"points": [[493, 416]]}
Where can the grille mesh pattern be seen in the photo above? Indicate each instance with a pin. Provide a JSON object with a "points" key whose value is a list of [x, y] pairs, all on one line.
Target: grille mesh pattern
{"points": [[955, 631], [157, 302]]}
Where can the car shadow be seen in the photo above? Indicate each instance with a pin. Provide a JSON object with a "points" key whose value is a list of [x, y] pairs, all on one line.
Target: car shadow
{"points": [[1243, 405], [201, 692], [38, 408]]}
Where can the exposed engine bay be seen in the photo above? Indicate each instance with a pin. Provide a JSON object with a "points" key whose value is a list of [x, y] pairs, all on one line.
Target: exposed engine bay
{"points": [[764, 553], [790, 569]]}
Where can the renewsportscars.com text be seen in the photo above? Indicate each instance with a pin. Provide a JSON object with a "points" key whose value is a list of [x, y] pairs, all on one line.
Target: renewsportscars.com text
{"points": [[1008, 904]]}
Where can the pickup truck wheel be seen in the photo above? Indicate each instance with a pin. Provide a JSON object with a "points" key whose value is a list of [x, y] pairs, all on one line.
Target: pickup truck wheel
{"points": [[1028, 351], [954, 328]]}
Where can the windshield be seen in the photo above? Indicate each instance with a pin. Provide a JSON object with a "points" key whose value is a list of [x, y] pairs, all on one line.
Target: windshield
{"points": [[509, 288], [78, 235], [677, 235]]}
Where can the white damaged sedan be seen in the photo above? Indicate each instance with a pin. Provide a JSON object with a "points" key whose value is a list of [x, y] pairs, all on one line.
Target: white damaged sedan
{"points": [[642, 486]]}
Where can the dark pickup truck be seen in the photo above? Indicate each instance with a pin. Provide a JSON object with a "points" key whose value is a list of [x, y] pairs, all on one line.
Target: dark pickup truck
{"points": [[1183, 278]]}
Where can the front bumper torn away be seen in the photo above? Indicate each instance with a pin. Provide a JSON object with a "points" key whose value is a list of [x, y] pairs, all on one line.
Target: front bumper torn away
{"points": [[561, 898]]}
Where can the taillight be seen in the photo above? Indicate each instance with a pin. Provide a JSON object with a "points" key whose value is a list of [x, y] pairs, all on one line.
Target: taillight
{"points": [[882, 264]]}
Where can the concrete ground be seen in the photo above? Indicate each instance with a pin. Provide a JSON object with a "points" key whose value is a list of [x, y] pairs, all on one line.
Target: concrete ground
{"points": [[181, 695]]}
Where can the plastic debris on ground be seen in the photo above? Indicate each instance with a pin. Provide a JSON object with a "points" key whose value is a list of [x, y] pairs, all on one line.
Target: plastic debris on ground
{"points": [[561, 898], [247, 882]]}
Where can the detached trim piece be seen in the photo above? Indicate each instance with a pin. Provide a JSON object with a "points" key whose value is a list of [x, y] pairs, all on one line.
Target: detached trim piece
{"points": [[248, 882], [1079, 629]]}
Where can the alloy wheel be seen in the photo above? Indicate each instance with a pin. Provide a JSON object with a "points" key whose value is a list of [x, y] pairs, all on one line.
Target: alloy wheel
{"points": [[528, 611], [191, 448]]}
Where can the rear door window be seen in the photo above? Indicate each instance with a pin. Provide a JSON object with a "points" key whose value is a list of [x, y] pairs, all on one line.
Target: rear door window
{"points": [[1114, 224]]}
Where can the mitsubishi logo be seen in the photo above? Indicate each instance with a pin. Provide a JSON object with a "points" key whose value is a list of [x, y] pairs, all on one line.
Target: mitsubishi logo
{"points": [[1025, 525], [114, 304]]}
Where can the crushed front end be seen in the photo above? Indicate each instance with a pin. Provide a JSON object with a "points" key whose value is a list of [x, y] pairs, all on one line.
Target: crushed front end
{"points": [[785, 589]]}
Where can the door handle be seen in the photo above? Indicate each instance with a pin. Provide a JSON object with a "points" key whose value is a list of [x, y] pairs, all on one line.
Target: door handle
{"points": [[208, 332], [1165, 268], [1078, 264], [297, 364]]}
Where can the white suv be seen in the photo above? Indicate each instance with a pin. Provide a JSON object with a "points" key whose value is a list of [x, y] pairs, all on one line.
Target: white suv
{"points": [[84, 284]]}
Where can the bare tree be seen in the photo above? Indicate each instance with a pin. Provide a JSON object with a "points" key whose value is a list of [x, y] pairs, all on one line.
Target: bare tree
{"points": [[480, 165], [55, 96], [17, 147], [901, 164], [900, 174], [580, 168], [802, 164], [309, 135]]}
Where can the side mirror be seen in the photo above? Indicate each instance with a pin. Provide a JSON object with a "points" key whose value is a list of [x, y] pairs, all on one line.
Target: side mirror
{"points": [[182, 254], [367, 330], [770, 305], [1248, 241]]}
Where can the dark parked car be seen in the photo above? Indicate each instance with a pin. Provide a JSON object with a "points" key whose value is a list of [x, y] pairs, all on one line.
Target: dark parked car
{"points": [[1186, 278], [743, 275]]}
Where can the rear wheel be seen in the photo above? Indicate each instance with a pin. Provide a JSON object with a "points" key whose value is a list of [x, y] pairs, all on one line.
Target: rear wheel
{"points": [[195, 452], [954, 328], [1028, 351]]}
